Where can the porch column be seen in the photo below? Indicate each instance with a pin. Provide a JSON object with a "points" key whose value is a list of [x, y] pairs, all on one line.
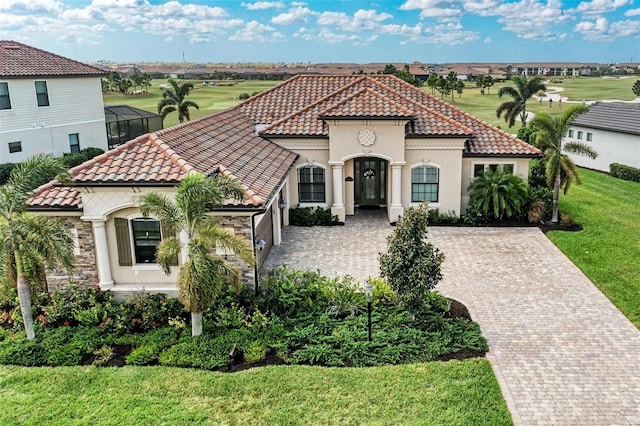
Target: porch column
{"points": [[102, 254], [275, 221], [396, 209], [338, 200]]}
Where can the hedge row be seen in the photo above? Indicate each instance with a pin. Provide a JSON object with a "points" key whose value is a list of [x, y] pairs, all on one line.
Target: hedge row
{"points": [[622, 171]]}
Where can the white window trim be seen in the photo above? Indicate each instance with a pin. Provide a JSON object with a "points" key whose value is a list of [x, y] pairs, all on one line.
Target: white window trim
{"points": [[430, 204], [35, 93], [491, 161], [322, 204], [9, 95]]}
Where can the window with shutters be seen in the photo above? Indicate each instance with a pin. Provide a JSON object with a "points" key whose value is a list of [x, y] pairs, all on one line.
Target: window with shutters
{"points": [[138, 239]]}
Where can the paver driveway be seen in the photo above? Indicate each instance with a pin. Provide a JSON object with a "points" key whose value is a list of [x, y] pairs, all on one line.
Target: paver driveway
{"points": [[562, 353]]}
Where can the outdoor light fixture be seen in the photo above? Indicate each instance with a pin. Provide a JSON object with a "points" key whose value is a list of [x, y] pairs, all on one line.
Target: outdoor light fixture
{"points": [[260, 243], [368, 290]]}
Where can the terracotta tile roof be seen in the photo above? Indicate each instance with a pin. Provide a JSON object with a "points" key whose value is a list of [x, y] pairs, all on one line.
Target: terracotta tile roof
{"points": [[223, 143], [296, 108], [366, 103], [20, 60]]}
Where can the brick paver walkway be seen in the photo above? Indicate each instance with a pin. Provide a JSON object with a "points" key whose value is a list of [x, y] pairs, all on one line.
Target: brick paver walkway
{"points": [[562, 353]]}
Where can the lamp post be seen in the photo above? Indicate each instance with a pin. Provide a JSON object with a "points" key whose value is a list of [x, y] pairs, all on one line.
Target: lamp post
{"points": [[368, 290]]}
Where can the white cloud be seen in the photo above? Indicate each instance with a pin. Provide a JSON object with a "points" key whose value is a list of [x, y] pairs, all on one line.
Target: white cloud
{"points": [[32, 5], [598, 7], [440, 9], [487, 40], [253, 31], [528, 19], [632, 12], [294, 15], [602, 30], [262, 5], [361, 20], [326, 35]]}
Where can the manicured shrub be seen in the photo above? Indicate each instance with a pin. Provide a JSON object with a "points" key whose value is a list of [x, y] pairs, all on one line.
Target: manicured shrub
{"points": [[411, 264], [311, 216], [209, 353], [437, 218], [5, 172], [474, 214], [625, 172], [540, 204], [76, 158], [537, 174], [150, 311], [21, 352]]}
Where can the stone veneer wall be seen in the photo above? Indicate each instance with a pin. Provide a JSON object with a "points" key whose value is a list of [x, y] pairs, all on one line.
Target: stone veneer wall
{"points": [[241, 228], [86, 271]]}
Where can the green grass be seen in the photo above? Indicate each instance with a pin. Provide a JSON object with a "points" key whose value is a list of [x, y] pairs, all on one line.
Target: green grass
{"points": [[451, 393], [607, 250], [209, 98], [576, 89]]}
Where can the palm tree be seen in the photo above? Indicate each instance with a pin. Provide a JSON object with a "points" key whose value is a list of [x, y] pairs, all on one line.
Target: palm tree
{"points": [[561, 170], [203, 273], [173, 99], [525, 88], [30, 241], [499, 194]]}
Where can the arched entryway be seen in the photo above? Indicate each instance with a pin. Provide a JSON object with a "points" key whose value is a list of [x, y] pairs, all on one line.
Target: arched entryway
{"points": [[370, 181]]}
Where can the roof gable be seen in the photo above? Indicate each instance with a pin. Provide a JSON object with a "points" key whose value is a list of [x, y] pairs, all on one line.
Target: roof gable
{"points": [[366, 103], [223, 143], [20, 60]]}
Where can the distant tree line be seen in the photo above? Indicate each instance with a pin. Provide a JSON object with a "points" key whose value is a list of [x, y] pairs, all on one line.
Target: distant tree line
{"points": [[137, 80]]}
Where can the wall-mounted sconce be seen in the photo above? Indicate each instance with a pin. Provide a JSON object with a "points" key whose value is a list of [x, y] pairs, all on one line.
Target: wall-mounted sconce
{"points": [[259, 243], [348, 179], [282, 203]]}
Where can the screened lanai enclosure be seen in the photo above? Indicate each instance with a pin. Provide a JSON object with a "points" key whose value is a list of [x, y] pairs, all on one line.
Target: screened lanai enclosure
{"points": [[125, 123]]}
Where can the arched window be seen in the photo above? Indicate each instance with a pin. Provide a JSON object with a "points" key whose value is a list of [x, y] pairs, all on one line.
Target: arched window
{"points": [[311, 184], [425, 181], [146, 237]]}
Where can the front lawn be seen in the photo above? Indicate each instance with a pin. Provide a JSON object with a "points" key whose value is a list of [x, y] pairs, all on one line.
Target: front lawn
{"points": [[607, 250], [455, 392]]}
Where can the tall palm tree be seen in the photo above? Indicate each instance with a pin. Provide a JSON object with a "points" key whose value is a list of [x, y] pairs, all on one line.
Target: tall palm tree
{"points": [[29, 241], [520, 94], [499, 194], [561, 170], [173, 99], [203, 273]]}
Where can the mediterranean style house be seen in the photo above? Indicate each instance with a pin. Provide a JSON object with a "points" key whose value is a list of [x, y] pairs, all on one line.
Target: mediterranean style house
{"points": [[48, 104], [338, 142], [613, 130]]}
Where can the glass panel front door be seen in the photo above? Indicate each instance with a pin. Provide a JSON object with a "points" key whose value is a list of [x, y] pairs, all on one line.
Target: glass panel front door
{"points": [[370, 181]]}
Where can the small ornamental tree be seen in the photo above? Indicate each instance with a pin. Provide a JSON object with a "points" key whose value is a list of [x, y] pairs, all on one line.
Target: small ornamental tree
{"points": [[636, 88], [411, 265]]}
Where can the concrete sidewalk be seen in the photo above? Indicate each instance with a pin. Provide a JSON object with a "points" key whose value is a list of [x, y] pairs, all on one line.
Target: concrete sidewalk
{"points": [[562, 353]]}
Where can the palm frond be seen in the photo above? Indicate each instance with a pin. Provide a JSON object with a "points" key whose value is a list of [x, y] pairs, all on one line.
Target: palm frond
{"points": [[167, 251], [580, 148], [162, 207]]}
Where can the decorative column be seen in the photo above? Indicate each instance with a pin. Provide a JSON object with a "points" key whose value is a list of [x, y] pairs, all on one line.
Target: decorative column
{"points": [[102, 254], [275, 221], [338, 200], [396, 209]]}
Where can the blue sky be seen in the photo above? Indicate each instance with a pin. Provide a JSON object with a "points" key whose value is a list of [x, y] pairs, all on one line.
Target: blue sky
{"points": [[328, 31]]}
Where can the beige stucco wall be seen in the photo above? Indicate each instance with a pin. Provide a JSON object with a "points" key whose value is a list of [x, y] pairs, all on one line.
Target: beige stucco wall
{"points": [[446, 155]]}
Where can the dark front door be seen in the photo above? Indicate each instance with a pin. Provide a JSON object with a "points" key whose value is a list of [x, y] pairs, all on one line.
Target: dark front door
{"points": [[370, 181]]}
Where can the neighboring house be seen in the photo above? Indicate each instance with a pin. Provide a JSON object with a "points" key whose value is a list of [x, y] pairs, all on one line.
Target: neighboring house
{"points": [[613, 130], [124, 122], [339, 142], [48, 103]]}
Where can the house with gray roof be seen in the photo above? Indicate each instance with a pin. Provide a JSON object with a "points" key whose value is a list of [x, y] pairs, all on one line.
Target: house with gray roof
{"points": [[613, 130], [48, 104]]}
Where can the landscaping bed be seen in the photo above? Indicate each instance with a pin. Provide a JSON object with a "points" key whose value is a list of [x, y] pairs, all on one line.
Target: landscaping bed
{"points": [[298, 318]]}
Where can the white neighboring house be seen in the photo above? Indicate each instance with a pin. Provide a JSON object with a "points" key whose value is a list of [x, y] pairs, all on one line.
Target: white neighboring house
{"points": [[613, 130], [48, 104]]}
